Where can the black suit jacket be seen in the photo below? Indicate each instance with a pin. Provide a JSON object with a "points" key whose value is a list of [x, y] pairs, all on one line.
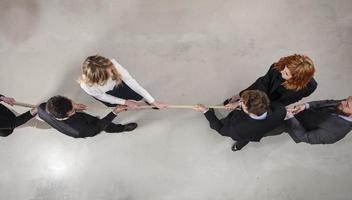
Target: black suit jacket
{"points": [[79, 125], [241, 127], [271, 84], [318, 124], [9, 121]]}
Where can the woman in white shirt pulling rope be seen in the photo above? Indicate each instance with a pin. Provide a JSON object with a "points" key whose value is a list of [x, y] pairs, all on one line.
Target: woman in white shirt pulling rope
{"points": [[110, 83]]}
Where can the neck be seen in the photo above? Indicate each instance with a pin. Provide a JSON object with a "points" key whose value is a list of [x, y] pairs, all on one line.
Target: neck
{"points": [[260, 117], [68, 115]]}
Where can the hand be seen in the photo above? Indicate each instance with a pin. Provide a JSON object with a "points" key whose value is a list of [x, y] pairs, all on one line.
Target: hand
{"points": [[8, 100], [297, 109], [34, 111], [131, 104], [232, 106], [289, 113], [120, 108], [79, 107], [200, 108], [234, 98], [160, 105]]}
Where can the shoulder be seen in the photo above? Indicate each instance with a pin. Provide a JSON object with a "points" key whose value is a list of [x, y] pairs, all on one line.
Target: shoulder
{"points": [[83, 115], [272, 66], [84, 85], [42, 112], [42, 106], [90, 89], [116, 64], [278, 110], [273, 71], [312, 85], [121, 70]]}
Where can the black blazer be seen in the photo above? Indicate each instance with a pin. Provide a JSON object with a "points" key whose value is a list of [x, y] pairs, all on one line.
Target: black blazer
{"points": [[271, 84], [241, 127], [319, 124], [9, 121], [79, 125]]}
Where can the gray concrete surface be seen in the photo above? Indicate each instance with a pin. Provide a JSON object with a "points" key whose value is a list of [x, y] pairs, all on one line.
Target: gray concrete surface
{"points": [[183, 52]]}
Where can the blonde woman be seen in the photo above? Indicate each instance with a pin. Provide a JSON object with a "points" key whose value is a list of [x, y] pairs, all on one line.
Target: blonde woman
{"points": [[107, 81]]}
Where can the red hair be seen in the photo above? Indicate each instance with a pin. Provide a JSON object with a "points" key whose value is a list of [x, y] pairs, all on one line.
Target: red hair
{"points": [[302, 70]]}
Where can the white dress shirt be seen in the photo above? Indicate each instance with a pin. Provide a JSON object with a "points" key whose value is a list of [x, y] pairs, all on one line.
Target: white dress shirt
{"points": [[260, 117], [99, 91]]}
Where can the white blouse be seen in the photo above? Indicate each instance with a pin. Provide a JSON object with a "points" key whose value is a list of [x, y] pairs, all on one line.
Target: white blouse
{"points": [[98, 91]]}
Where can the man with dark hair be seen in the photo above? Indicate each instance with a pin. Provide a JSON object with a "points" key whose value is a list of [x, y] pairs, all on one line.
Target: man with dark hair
{"points": [[320, 122], [8, 120], [66, 116], [256, 118]]}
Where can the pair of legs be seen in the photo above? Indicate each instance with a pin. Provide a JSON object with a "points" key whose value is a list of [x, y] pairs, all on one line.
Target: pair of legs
{"points": [[122, 91]]}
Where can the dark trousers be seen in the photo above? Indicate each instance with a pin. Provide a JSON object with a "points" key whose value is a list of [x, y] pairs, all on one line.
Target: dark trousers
{"points": [[114, 128], [122, 91]]}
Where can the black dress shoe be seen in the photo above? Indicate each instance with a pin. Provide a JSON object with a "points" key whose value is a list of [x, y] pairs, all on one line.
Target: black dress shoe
{"points": [[234, 148], [130, 127], [239, 145], [155, 108]]}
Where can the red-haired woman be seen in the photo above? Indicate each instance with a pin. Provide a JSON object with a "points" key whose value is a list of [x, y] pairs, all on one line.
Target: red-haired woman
{"points": [[287, 81]]}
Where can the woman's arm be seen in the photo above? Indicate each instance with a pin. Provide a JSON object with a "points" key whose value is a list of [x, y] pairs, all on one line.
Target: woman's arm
{"points": [[132, 83], [95, 92]]}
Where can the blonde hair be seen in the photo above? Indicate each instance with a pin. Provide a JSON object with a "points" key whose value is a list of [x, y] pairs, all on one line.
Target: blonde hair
{"points": [[302, 70], [95, 71]]}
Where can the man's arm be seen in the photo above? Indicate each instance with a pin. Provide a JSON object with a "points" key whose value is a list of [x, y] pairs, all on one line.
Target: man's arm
{"points": [[322, 103], [91, 125], [97, 125], [300, 134], [22, 119], [214, 122]]}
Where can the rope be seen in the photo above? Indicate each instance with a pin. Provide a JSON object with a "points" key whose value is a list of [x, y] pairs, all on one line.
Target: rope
{"points": [[26, 105], [21, 104]]}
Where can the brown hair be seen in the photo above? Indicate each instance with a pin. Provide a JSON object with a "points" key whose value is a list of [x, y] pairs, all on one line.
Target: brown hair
{"points": [[256, 101], [95, 71], [301, 68], [59, 106]]}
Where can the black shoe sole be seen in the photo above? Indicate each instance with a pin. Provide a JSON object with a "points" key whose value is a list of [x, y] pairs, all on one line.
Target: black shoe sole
{"points": [[234, 148]]}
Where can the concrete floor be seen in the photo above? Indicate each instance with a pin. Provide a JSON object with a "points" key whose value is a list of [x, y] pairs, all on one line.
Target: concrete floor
{"points": [[183, 52]]}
